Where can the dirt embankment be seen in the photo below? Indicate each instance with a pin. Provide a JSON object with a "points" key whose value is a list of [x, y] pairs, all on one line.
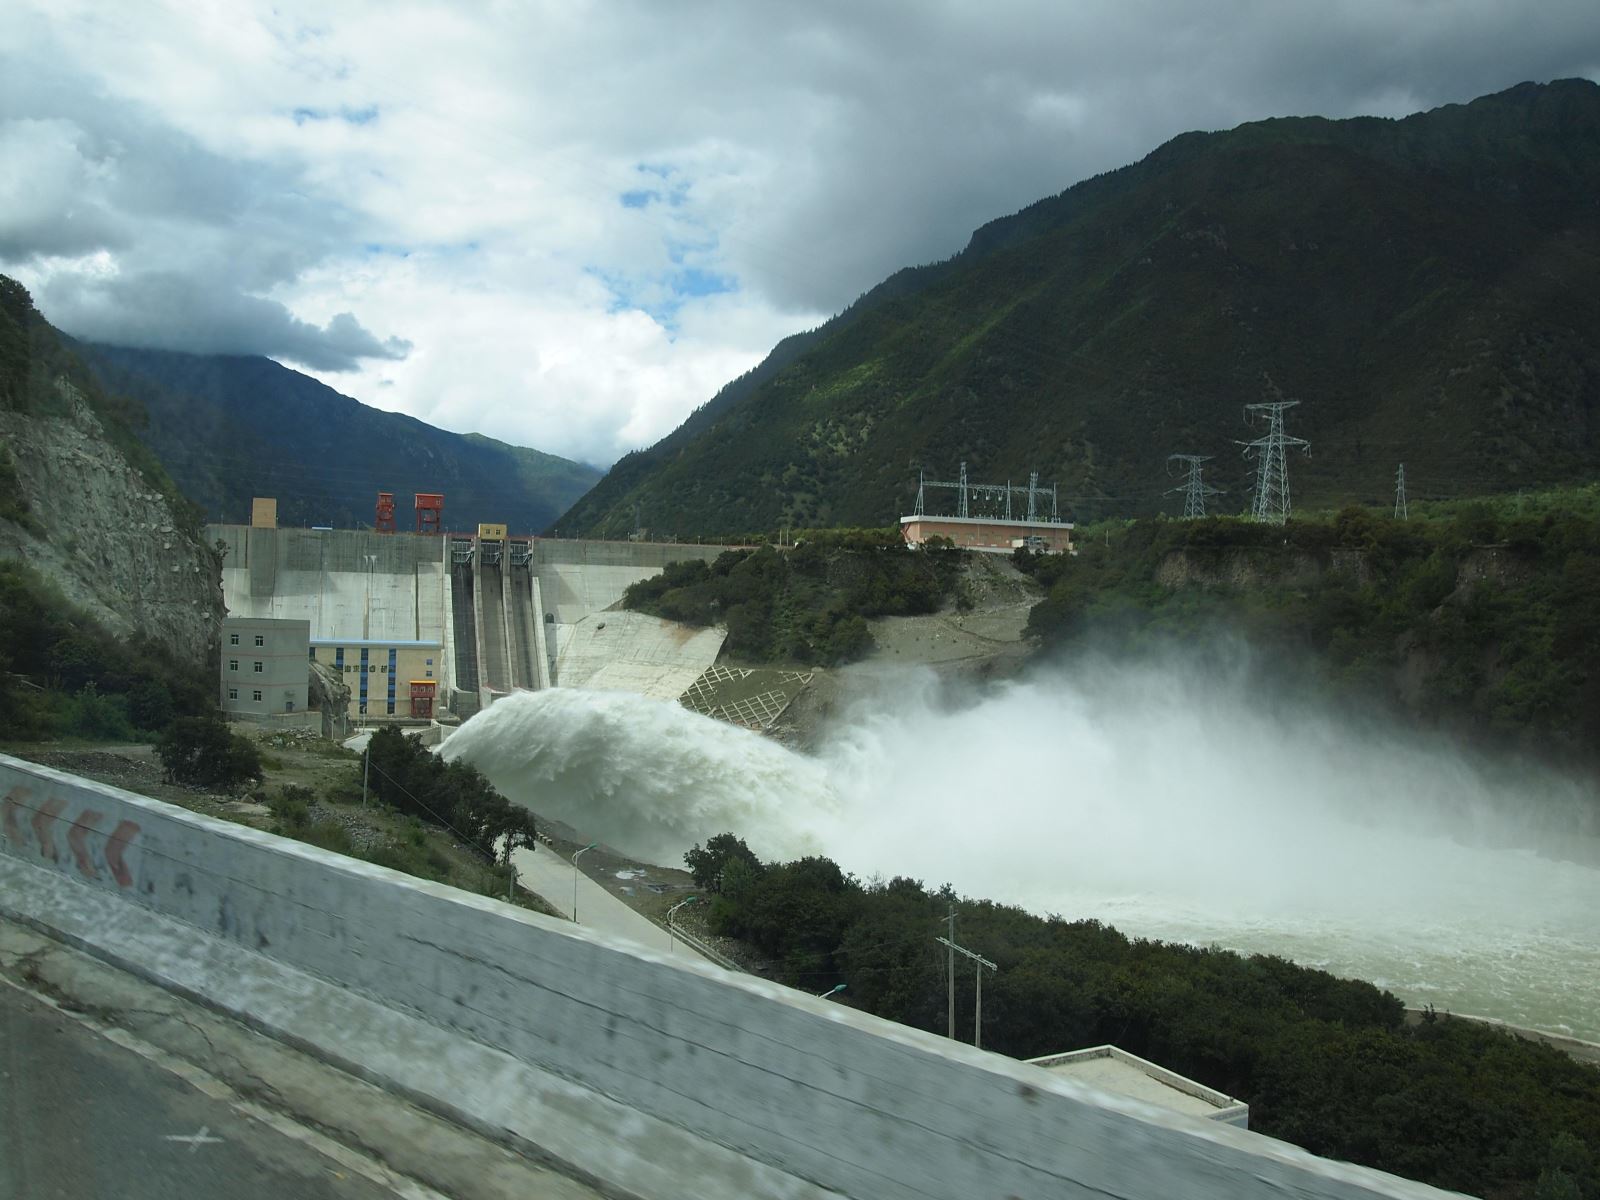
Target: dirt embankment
{"points": [[983, 625], [978, 635]]}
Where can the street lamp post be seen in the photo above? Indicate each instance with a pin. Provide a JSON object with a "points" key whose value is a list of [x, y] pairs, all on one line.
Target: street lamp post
{"points": [[585, 850], [833, 991], [671, 931]]}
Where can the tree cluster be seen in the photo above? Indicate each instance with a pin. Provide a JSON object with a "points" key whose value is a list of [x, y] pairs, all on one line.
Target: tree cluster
{"points": [[808, 604], [453, 796], [205, 752], [1483, 619], [62, 674], [1328, 1063]]}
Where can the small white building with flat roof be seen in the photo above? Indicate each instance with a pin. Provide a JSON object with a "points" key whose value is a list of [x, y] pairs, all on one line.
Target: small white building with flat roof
{"points": [[1114, 1070]]}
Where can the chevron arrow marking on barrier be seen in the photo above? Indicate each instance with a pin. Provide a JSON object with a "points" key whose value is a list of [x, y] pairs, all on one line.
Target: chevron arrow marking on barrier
{"points": [[124, 833], [81, 827], [8, 815], [43, 819]]}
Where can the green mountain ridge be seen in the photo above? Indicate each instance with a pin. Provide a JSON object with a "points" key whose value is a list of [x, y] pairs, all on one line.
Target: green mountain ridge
{"points": [[1425, 286], [231, 427]]}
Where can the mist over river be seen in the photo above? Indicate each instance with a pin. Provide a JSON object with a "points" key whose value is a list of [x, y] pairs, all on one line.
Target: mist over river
{"points": [[1159, 798]]}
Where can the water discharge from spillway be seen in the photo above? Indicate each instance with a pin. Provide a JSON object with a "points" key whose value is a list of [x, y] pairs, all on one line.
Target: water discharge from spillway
{"points": [[1161, 801]]}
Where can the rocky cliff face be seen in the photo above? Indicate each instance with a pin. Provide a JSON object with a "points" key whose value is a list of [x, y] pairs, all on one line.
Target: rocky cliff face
{"points": [[104, 535]]}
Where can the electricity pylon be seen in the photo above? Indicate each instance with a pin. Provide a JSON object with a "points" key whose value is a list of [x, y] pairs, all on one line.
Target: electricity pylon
{"points": [[1194, 491], [1401, 513], [1271, 502]]}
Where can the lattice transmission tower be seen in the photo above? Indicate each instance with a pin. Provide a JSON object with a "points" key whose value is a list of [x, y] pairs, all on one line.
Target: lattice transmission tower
{"points": [[1401, 512], [1194, 489], [1271, 501]]}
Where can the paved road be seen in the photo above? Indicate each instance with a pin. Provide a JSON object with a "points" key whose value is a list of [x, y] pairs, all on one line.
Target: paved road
{"points": [[550, 875], [83, 1118]]}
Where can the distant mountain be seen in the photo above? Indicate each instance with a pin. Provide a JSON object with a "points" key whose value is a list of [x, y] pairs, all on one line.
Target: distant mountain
{"points": [[1427, 287], [228, 428]]}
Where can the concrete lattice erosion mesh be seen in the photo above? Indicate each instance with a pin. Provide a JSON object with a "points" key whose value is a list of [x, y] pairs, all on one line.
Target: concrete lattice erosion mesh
{"points": [[753, 697]]}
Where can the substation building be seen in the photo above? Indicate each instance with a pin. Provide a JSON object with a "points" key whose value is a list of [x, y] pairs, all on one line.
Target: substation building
{"points": [[993, 518]]}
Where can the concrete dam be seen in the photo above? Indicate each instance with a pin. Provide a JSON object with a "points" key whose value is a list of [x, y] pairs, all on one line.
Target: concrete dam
{"points": [[486, 615]]}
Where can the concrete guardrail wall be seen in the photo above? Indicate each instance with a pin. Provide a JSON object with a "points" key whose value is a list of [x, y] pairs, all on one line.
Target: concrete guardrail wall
{"points": [[850, 1102]]}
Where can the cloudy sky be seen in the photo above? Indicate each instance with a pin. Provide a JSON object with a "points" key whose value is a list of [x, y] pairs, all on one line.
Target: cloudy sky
{"points": [[566, 224]]}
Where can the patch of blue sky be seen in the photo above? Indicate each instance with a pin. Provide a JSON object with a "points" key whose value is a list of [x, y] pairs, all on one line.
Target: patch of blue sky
{"points": [[351, 116], [437, 250], [694, 282], [674, 195], [661, 297]]}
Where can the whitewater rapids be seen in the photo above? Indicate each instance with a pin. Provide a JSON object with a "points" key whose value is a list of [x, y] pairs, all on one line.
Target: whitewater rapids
{"points": [[1161, 800]]}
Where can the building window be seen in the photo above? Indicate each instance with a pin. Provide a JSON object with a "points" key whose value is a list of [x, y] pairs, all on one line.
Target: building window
{"points": [[233, 693], [258, 668], [391, 708], [429, 661], [427, 674], [260, 640], [256, 694], [233, 639], [233, 664]]}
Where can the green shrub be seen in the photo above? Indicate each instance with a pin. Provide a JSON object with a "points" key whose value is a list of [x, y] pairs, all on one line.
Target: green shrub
{"points": [[204, 751], [328, 835], [291, 811], [97, 717]]}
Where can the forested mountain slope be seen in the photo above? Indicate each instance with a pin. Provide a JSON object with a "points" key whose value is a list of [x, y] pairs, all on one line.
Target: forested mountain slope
{"points": [[1427, 288]]}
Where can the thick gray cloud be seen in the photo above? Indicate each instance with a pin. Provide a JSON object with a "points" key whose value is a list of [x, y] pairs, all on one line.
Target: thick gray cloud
{"points": [[167, 311], [133, 233], [587, 218], [909, 125]]}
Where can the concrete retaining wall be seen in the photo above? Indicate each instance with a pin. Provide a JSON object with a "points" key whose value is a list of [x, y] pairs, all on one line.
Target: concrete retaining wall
{"points": [[852, 1103]]}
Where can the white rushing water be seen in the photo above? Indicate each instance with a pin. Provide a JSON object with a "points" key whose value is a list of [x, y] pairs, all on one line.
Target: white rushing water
{"points": [[1166, 803]]}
